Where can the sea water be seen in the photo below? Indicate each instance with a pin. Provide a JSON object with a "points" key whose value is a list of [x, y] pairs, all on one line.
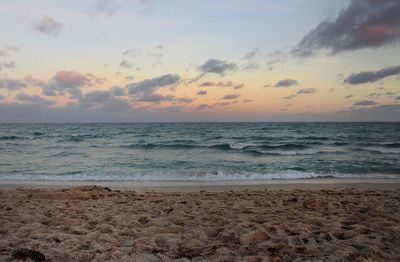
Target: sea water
{"points": [[199, 151]]}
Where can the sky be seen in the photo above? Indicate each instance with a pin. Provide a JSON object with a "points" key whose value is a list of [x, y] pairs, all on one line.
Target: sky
{"points": [[180, 60]]}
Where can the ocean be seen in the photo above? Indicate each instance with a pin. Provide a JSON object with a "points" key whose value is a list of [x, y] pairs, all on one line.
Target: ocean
{"points": [[199, 151]]}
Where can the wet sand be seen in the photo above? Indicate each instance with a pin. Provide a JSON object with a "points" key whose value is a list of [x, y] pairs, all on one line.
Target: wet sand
{"points": [[270, 222]]}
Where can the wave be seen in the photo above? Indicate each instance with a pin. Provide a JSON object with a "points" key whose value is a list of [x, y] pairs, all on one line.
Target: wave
{"points": [[376, 150], [11, 138], [278, 147], [166, 146], [198, 177]]}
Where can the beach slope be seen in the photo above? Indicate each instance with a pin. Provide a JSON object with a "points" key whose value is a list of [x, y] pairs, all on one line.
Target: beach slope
{"points": [[317, 222]]}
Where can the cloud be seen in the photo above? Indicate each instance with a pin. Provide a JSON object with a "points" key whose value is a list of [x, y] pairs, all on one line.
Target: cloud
{"points": [[203, 106], [103, 101], [150, 85], [155, 98], [117, 91], [207, 83], [1, 97], [215, 66], [348, 96], [286, 83], [201, 93], [364, 24], [365, 103], [34, 99], [108, 6], [184, 100], [48, 26], [372, 76], [13, 48], [129, 78], [69, 81], [290, 96], [125, 64], [306, 91], [224, 84], [251, 66], [12, 83], [94, 98], [251, 54], [303, 91], [238, 86], [231, 96], [250, 58], [10, 64], [374, 113], [34, 81]]}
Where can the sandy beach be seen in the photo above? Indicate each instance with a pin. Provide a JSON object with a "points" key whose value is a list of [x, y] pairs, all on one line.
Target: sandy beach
{"points": [[331, 220]]}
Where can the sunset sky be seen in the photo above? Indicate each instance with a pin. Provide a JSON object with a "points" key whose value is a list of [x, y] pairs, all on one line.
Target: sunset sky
{"points": [[180, 60]]}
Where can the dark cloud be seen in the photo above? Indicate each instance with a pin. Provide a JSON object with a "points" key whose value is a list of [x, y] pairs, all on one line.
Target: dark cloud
{"points": [[34, 99], [66, 81], [184, 100], [372, 76], [223, 104], [133, 52], [129, 78], [148, 86], [247, 100], [348, 96], [238, 86], [374, 94], [102, 101], [251, 54], [306, 91], [397, 98], [48, 26], [9, 64], [155, 98], [374, 113], [125, 64], [1, 97], [170, 109], [71, 82], [203, 106], [34, 81], [215, 66], [303, 91], [365, 23], [250, 58], [117, 91], [286, 83], [93, 98], [12, 83], [365, 103], [231, 96], [251, 66], [207, 83], [224, 84], [201, 93], [290, 96]]}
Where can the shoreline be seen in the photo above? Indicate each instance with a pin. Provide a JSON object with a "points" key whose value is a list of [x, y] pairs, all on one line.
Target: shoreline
{"points": [[188, 186]]}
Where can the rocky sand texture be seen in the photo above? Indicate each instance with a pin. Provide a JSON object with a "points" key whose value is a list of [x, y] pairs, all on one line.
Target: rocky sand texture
{"points": [[91, 223]]}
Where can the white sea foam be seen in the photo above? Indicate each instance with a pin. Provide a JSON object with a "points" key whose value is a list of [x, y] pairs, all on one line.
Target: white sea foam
{"points": [[204, 177]]}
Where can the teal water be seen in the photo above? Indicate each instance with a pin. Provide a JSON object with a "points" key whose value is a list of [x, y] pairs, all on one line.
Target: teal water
{"points": [[199, 151]]}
